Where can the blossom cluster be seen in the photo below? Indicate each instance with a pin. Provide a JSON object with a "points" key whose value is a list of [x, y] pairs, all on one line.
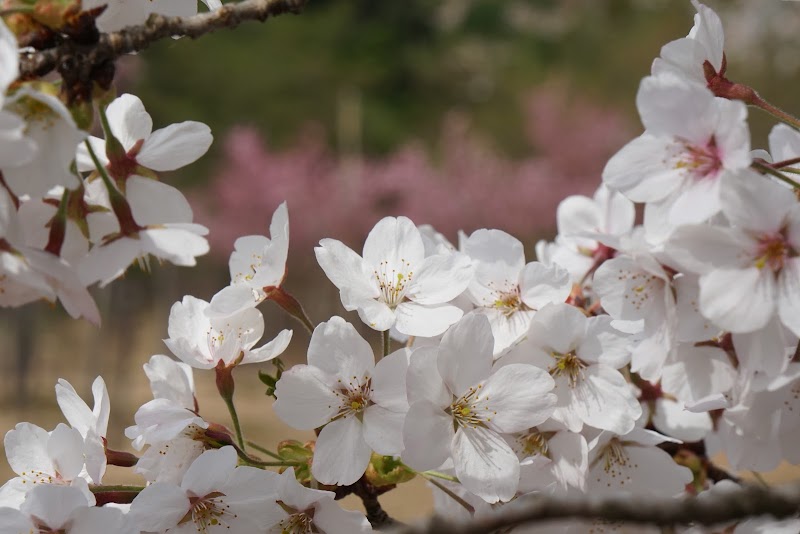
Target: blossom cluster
{"points": [[75, 209], [580, 372]]}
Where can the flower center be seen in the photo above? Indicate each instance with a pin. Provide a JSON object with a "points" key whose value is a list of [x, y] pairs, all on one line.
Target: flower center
{"points": [[700, 161], [354, 396], [509, 302], [209, 511], [471, 409], [615, 461], [392, 282], [297, 523], [568, 365], [534, 443], [772, 252]]}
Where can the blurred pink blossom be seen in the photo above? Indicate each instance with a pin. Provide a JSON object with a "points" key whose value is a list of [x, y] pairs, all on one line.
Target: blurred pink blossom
{"points": [[469, 186]]}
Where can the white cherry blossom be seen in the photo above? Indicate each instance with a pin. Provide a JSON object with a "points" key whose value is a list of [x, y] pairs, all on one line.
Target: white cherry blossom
{"points": [[460, 407], [166, 149], [257, 265], [161, 226], [92, 423], [749, 272], [304, 510], [394, 284], [204, 342], [692, 142], [633, 464], [685, 57], [361, 405], [507, 290], [582, 355], [41, 457], [214, 495]]}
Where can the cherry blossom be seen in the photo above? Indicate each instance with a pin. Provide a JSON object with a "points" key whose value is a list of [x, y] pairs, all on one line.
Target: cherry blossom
{"points": [[166, 149], [361, 405], [160, 224], [394, 284], [460, 407], [91, 423], [748, 272], [686, 57], [507, 290], [582, 355], [214, 494], [205, 343], [309, 510], [692, 142], [257, 264]]}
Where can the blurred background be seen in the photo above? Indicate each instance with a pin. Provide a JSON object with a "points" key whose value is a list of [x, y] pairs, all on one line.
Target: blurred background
{"points": [[458, 113]]}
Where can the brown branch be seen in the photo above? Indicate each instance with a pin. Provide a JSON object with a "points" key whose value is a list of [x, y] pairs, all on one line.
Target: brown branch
{"points": [[748, 501], [110, 46], [368, 493]]}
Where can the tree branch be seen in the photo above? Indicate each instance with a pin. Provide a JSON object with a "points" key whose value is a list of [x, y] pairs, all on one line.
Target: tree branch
{"points": [[110, 46], [368, 494], [748, 501]]}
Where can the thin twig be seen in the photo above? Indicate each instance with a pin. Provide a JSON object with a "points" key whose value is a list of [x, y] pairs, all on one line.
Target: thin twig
{"points": [[748, 501], [110, 46]]}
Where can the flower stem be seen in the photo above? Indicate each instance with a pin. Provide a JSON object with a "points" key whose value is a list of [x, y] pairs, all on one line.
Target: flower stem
{"points": [[775, 111], [235, 418], [437, 474], [263, 450], [387, 342], [450, 493], [763, 168]]}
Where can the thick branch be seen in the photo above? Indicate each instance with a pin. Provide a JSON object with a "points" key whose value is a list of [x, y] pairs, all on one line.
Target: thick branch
{"points": [[136, 38], [749, 501]]}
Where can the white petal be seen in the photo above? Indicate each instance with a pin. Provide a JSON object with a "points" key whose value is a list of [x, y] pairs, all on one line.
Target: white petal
{"points": [[329, 517], [346, 269], [441, 278], [423, 380], [389, 381], [425, 321], [485, 464], [672, 419], [465, 353], [395, 241], [53, 504], [175, 146], [305, 398], [383, 430], [427, 433], [159, 506], [341, 455], [738, 300], [374, 314], [518, 396], [65, 447], [271, 350], [338, 349], [154, 202], [789, 295], [541, 284], [210, 472], [128, 120]]}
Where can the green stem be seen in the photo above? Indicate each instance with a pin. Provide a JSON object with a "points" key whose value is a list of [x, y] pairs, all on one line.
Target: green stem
{"points": [[235, 418], [437, 474], [101, 489], [791, 170], [263, 450], [766, 169], [760, 478], [387, 343], [775, 111], [450, 493]]}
